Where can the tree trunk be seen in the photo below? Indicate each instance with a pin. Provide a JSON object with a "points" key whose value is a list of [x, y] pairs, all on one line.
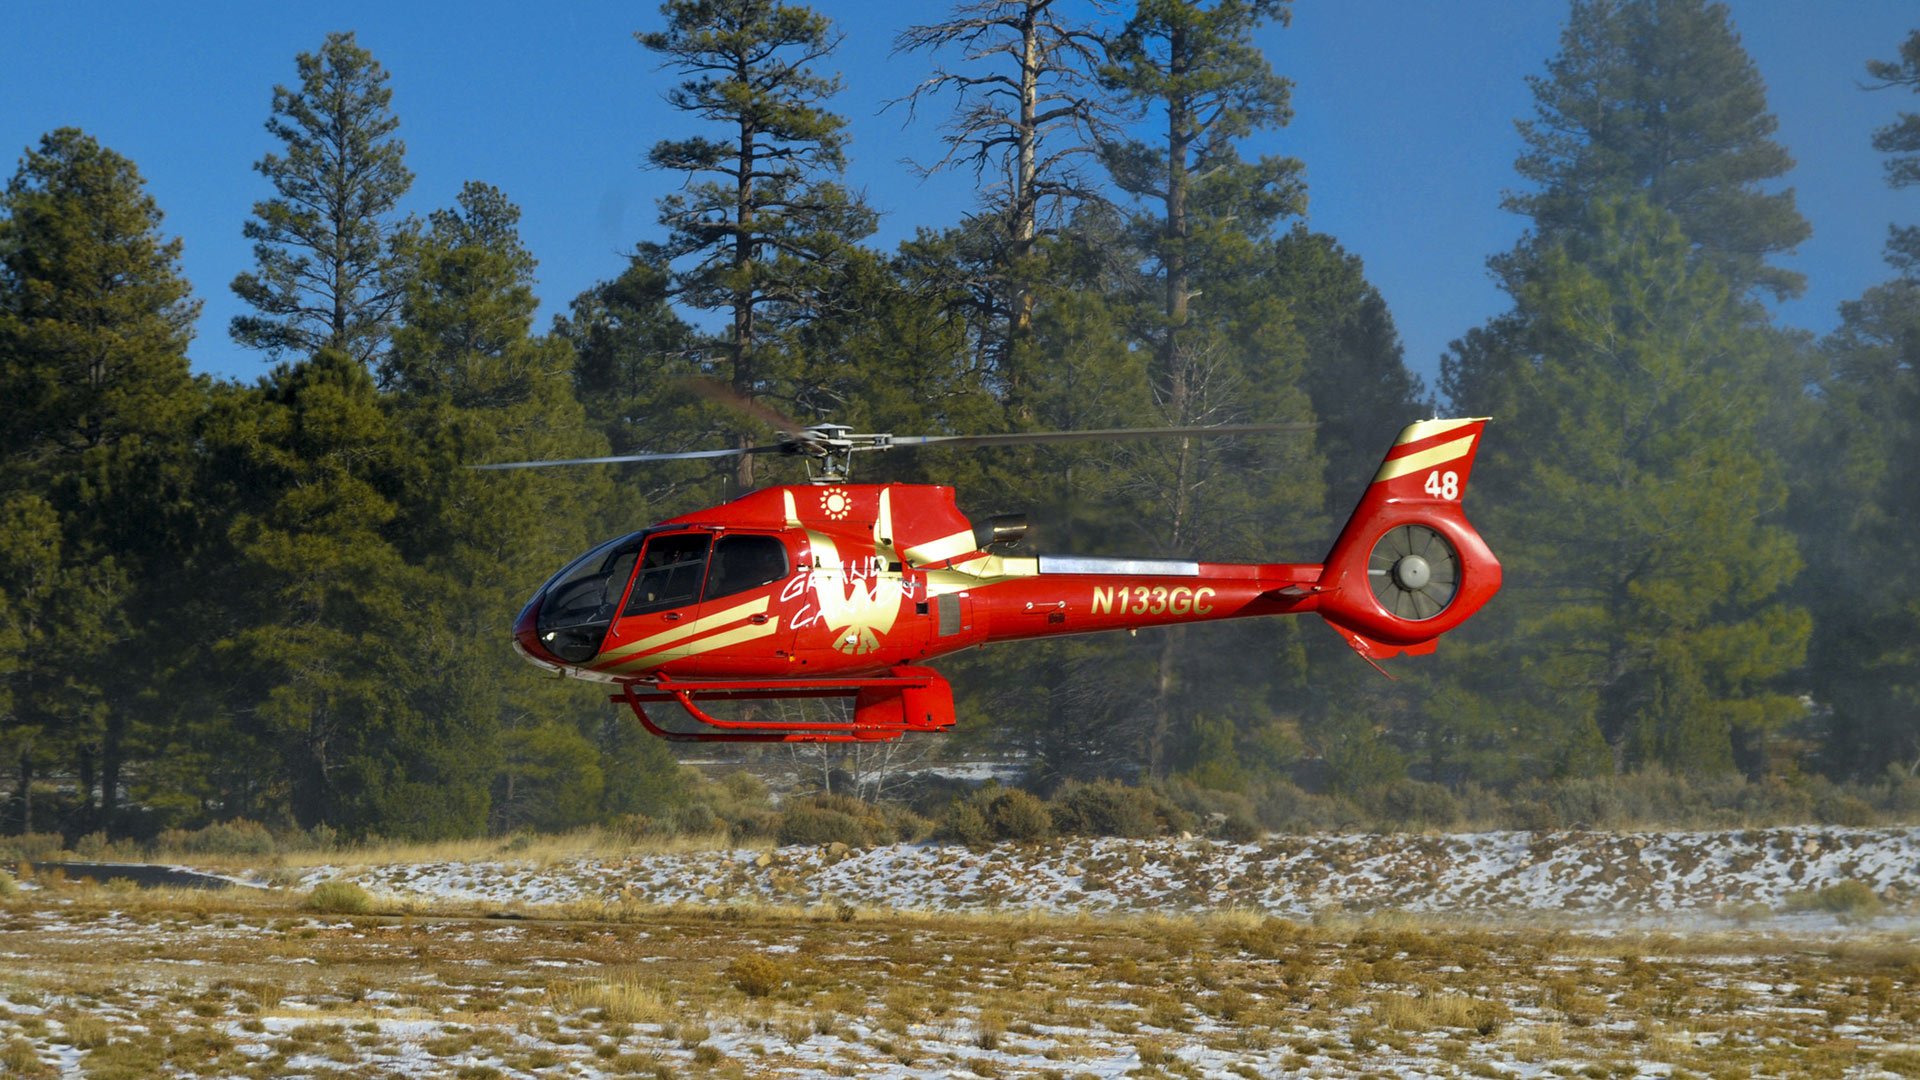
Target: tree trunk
{"points": [[742, 344], [1025, 210], [1174, 371], [26, 791], [112, 753]]}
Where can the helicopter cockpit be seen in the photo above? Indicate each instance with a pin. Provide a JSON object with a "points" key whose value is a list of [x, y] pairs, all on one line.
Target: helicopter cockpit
{"points": [[665, 569], [576, 605]]}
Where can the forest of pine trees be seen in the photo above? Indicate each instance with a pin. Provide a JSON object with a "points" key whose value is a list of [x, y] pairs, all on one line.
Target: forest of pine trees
{"points": [[286, 601]]}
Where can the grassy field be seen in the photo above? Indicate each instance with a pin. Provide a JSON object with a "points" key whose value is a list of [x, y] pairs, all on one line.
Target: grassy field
{"points": [[116, 982]]}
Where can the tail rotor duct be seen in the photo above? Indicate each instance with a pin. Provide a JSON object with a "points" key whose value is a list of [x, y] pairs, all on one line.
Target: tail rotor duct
{"points": [[1414, 572]]}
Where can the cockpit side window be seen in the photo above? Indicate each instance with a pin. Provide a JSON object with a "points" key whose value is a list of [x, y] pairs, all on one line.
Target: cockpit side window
{"points": [[745, 562], [670, 573]]}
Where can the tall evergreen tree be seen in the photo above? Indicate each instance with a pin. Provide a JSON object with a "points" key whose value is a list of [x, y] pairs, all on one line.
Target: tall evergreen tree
{"points": [[471, 383], [326, 270], [1206, 214], [1856, 508], [1355, 370], [1857, 516], [633, 355], [762, 220], [1658, 97], [94, 324], [1900, 140], [1629, 495], [320, 655]]}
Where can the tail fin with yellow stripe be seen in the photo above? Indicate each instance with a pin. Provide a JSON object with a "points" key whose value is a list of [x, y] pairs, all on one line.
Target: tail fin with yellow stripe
{"points": [[1409, 567]]}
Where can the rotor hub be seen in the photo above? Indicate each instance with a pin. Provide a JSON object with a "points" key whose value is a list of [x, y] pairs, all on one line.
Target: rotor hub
{"points": [[1412, 573]]}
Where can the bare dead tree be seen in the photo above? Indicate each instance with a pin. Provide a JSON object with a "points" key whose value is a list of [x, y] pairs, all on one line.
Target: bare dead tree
{"points": [[1029, 111], [872, 770]]}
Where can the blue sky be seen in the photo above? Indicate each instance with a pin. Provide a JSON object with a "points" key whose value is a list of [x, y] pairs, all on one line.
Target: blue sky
{"points": [[1404, 116]]}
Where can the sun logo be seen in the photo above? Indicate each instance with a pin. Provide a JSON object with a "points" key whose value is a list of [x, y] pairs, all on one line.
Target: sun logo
{"points": [[835, 503]]}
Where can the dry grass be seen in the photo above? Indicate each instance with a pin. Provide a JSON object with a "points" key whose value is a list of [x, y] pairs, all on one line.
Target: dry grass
{"points": [[239, 983], [538, 850]]}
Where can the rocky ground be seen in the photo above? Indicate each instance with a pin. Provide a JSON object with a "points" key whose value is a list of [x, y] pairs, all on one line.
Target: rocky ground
{"points": [[1779, 952], [1593, 875]]}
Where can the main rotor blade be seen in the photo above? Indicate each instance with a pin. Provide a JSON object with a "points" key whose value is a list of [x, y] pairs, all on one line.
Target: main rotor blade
{"points": [[722, 394], [1012, 438], [683, 455]]}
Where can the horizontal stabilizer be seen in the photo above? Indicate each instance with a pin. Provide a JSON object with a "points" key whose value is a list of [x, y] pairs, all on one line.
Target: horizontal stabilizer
{"points": [[1381, 650]]}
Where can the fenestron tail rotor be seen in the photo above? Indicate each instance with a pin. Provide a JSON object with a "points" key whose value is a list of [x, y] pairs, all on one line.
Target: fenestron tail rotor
{"points": [[1414, 572]]}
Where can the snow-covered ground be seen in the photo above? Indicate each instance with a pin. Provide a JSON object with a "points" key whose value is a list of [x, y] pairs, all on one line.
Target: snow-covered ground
{"points": [[1525, 956], [1604, 875]]}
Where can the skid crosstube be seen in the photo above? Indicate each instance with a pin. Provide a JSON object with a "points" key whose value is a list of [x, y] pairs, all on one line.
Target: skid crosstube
{"points": [[884, 707]]}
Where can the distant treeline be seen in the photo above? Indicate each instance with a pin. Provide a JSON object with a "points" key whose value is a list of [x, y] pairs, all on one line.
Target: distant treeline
{"points": [[287, 601]]}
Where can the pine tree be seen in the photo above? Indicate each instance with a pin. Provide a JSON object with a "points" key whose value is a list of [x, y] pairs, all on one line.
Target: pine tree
{"points": [[327, 274], [320, 654], [94, 324], [1629, 495], [632, 358], [1857, 517], [1658, 97], [470, 383], [1206, 216], [59, 621], [762, 221], [1355, 371], [1901, 141]]}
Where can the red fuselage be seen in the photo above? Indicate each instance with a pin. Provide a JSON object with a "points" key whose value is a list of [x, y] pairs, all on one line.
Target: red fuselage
{"points": [[862, 579]]}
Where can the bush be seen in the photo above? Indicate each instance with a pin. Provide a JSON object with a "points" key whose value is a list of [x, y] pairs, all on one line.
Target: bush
{"points": [[1838, 808], [339, 897], [814, 825], [1108, 808], [1224, 815], [32, 847], [1017, 815], [755, 975], [1848, 899], [236, 837], [1418, 804], [1900, 793], [8, 888], [994, 813], [827, 819], [964, 824], [1282, 805]]}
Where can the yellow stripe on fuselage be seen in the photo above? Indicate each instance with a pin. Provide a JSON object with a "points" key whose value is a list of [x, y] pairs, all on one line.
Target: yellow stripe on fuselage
{"points": [[1425, 459], [936, 551], [705, 645], [697, 626]]}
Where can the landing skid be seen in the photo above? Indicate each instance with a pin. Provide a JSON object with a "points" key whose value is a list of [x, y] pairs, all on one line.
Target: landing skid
{"points": [[909, 699]]}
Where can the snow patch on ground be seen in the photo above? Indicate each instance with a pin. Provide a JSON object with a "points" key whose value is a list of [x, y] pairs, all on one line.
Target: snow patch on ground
{"points": [[1608, 876]]}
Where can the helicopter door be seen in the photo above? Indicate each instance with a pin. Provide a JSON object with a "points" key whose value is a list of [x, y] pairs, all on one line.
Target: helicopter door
{"points": [[742, 603], [658, 621]]}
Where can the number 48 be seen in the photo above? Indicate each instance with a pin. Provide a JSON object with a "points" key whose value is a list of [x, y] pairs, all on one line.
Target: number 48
{"points": [[1443, 485]]}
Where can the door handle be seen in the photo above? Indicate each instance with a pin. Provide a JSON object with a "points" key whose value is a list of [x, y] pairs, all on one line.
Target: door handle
{"points": [[758, 620], [671, 616]]}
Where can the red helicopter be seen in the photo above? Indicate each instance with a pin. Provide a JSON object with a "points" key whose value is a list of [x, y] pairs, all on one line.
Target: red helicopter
{"points": [[840, 590]]}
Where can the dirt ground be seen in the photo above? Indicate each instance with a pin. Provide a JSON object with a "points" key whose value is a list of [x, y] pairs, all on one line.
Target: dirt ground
{"points": [[120, 981]]}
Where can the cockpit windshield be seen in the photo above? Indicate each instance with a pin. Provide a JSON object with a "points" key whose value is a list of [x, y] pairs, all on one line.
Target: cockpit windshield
{"points": [[578, 604]]}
